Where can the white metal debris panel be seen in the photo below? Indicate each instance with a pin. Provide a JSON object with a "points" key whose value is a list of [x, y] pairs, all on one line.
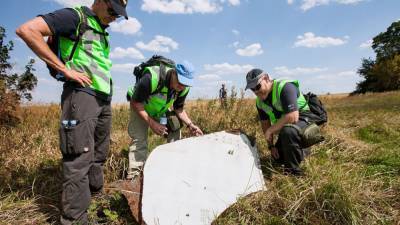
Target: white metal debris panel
{"points": [[192, 181]]}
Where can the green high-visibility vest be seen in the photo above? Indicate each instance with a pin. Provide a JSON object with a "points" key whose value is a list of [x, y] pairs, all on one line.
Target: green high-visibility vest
{"points": [[157, 103], [276, 100], [92, 53], [129, 93]]}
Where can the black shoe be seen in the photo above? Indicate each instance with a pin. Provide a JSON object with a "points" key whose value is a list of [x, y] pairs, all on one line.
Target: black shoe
{"points": [[294, 172]]}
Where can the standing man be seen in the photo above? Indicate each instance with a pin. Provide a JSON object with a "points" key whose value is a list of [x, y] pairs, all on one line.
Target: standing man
{"points": [[283, 111], [151, 100], [82, 45], [222, 96]]}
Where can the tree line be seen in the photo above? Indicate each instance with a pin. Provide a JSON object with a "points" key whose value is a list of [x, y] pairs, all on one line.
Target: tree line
{"points": [[383, 73], [380, 74]]}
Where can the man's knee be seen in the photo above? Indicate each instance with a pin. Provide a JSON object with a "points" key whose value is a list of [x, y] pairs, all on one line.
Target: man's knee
{"points": [[174, 136], [96, 178], [288, 132], [138, 145]]}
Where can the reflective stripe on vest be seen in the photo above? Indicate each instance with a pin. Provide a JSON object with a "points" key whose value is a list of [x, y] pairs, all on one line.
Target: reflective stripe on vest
{"points": [[157, 103], [276, 100], [91, 55]]}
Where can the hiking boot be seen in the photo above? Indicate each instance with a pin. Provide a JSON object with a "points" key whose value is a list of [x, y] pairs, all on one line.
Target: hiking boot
{"points": [[294, 172], [98, 194]]}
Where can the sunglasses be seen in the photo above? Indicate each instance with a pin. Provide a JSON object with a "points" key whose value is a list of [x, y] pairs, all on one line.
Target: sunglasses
{"points": [[111, 11], [256, 88]]}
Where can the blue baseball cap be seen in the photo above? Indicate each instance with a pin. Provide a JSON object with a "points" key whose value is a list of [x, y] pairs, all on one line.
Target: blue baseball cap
{"points": [[185, 73]]}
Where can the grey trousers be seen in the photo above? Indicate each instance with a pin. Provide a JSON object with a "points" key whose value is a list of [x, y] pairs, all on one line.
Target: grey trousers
{"points": [[138, 149], [84, 148]]}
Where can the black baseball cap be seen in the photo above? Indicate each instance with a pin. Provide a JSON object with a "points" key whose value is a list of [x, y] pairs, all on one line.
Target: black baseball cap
{"points": [[119, 6], [252, 78]]}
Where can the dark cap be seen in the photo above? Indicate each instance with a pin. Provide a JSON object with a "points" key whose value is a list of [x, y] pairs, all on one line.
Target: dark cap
{"points": [[119, 6], [252, 78]]}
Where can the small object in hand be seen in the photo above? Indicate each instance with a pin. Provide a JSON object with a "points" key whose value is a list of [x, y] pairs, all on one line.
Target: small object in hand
{"points": [[164, 121]]}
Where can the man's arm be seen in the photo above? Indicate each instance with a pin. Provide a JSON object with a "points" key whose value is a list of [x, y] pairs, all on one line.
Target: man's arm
{"points": [[289, 97], [140, 95], [195, 130], [265, 125], [154, 125], [33, 33], [291, 118], [181, 113]]}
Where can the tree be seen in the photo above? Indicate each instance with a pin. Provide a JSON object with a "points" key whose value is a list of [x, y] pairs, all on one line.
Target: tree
{"points": [[387, 44], [366, 71], [389, 74], [383, 73], [14, 88]]}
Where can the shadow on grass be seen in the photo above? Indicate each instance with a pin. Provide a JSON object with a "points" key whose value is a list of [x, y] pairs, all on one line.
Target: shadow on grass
{"points": [[43, 184]]}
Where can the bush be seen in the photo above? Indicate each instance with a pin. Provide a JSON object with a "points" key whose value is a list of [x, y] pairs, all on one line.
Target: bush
{"points": [[14, 88]]}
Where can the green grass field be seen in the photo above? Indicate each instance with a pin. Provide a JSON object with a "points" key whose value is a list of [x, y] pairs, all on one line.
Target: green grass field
{"points": [[351, 178]]}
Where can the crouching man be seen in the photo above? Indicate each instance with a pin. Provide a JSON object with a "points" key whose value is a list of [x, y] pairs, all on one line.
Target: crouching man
{"points": [[283, 111]]}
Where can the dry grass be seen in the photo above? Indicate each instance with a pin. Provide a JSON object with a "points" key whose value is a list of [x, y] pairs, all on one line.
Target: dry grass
{"points": [[352, 178]]}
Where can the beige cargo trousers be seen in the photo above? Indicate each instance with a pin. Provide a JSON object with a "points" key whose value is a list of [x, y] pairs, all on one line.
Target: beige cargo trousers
{"points": [[138, 149]]}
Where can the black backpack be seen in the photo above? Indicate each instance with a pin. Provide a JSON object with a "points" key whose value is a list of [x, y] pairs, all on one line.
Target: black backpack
{"points": [[317, 108], [155, 60], [53, 42]]}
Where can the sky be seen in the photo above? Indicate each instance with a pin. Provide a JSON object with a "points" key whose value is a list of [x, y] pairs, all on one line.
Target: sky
{"points": [[319, 42]]}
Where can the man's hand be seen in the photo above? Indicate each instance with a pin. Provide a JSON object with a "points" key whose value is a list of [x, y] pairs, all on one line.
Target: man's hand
{"points": [[269, 136], [270, 139], [154, 125], [78, 77], [274, 152], [195, 130], [158, 128]]}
